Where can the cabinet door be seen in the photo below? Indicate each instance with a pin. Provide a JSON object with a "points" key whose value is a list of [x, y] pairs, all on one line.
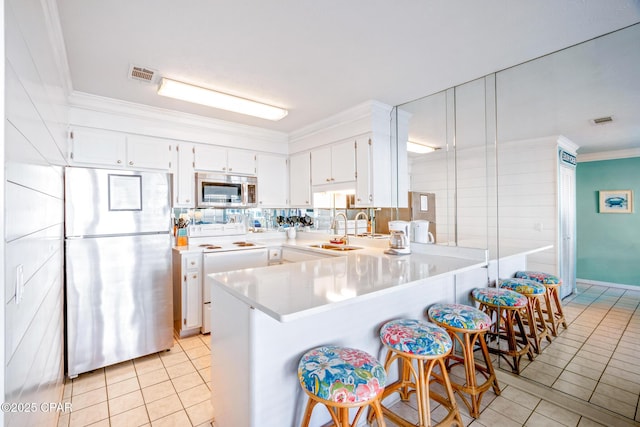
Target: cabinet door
{"points": [[321, 166], [185, 179], [272, 181], [300, 180], [191, 300], [343, 162], [364, 195], [98, 147], [242, 162], [148, 153], [210, 158]]}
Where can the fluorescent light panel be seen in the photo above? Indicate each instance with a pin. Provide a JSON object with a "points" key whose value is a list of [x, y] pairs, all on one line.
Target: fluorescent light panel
{"points": [[223, 101], [415, 147]]}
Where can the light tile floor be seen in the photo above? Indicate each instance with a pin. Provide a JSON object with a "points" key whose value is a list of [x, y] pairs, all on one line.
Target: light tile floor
{"points": [[588, 376], [170, 388]]}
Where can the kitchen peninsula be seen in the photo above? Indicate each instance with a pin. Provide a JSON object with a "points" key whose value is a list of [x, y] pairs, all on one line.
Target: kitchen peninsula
{"points": [[264, 319]]}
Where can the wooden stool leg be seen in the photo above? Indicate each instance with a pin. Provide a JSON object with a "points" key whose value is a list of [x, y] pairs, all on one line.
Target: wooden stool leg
{"points": [[558, 311], [551, 317], [487, 360], [450, 395], [307, 412]]}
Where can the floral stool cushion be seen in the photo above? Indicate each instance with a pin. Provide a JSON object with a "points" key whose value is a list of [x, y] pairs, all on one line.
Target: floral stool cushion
{"points": [[544, 278], [341, 374], [522, 286], [499, 297], [459, 316], [415, 337]]}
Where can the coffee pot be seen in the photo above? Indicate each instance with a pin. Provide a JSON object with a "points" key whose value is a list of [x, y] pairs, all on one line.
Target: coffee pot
{"points": [[398, 238], [420, 232]]}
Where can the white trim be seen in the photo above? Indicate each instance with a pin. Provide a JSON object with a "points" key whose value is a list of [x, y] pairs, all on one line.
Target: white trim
{"points": [[609, 284], [115, 106], [609, 155], [56, 41], [363, 110]]}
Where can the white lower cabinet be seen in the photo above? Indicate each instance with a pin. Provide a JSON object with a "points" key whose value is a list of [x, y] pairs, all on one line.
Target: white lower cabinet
{"points": [[187, 293]]}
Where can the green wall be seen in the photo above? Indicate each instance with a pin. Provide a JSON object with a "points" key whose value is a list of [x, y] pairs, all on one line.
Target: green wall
{"points": [[608, 245]]}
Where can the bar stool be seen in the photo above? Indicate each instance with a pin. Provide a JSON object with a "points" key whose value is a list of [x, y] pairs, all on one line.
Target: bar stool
{"points": [[535, 318], [507, 307], [468, 326], [425, 345], [341, 378], [555, 315]]}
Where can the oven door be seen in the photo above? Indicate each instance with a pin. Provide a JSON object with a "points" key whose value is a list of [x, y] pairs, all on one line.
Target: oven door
{"points": [[216, 262]]}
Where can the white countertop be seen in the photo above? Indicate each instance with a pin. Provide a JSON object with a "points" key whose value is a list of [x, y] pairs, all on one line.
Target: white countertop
{"points": [[293, 290]]}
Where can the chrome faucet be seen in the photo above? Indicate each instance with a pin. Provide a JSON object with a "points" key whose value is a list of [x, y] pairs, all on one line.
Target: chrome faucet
{"points": [[366, 217], [345, 238]]}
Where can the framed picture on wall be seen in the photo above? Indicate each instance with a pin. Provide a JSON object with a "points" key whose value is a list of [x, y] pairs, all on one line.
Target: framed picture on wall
{"points": [[616, 201]]}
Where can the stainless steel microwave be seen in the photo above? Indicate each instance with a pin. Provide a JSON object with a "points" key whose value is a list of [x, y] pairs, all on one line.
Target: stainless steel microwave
{"points": [[226, 191]]}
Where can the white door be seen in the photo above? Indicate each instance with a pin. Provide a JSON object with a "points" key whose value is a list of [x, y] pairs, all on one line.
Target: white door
{"points": [[272, 177], [567, 230]]}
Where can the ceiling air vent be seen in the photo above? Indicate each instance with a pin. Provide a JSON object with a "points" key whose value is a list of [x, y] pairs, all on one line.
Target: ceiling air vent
{"points": [[143, 74], [602, 120]]}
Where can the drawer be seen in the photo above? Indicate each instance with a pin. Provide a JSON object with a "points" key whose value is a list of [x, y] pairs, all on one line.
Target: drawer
{"points": [[192, 261]]}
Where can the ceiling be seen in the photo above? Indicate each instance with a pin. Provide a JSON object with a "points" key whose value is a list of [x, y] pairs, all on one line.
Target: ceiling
{"points": [[316, 58]]}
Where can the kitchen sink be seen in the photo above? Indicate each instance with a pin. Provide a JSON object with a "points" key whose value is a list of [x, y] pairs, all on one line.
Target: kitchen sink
{"points": [[333, 247]]}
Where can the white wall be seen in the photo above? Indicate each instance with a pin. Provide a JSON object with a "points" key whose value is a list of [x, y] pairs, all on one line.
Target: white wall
{"points": [[35, 123]]}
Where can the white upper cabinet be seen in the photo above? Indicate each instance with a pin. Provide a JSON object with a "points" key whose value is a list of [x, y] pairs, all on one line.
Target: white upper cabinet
{"points": [[334, 164], [184, 178], [300, 180], [115, 149], [96, 147], [224, 160], [364, 193], [242, 162], [148, 153], [374, 172], [272, 181]]}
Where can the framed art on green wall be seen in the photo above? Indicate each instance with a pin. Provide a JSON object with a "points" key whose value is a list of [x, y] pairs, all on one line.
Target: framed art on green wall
{"points": [[616, 201]]}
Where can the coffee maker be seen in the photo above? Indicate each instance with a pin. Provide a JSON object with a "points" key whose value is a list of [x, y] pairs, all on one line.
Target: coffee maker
{"points": [[398, 238]]}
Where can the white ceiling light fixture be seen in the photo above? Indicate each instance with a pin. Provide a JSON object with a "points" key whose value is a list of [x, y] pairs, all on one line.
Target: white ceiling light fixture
{"points": [[415, 147], [223, 101]]}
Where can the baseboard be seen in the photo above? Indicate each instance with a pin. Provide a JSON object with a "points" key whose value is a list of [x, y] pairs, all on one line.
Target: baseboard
{"points": [[609, 284]]}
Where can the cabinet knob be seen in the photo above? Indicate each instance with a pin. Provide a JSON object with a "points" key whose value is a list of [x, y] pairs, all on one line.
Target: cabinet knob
{"points": [[328, 179], [193, 263], [230, 169], [195, 276], [187, 201], [131, 163], [306, 202], [119, 161], [359, 199], [224, 168]]}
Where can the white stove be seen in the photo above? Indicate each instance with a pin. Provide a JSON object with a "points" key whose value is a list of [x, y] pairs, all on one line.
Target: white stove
{"points": [[224, 248], [220, 237]]}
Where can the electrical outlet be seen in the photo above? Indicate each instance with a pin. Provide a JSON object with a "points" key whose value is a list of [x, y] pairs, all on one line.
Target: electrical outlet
{"points": [[19, 283]]}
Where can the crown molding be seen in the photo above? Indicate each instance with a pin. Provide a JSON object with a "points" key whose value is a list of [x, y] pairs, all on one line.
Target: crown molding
{"points": [[101, 104], [609, 155], [361, 111], [56, 40]]}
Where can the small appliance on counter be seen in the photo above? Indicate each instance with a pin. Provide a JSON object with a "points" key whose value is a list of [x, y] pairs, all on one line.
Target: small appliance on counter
{"points": [[420, 232], [398, 238]]}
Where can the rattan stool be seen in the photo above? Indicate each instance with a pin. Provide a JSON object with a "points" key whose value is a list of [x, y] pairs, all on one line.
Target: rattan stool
{"points": [[534, 291], [468, 326], [506, 308], [415, 343], [342, 378], [555, 315]]}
